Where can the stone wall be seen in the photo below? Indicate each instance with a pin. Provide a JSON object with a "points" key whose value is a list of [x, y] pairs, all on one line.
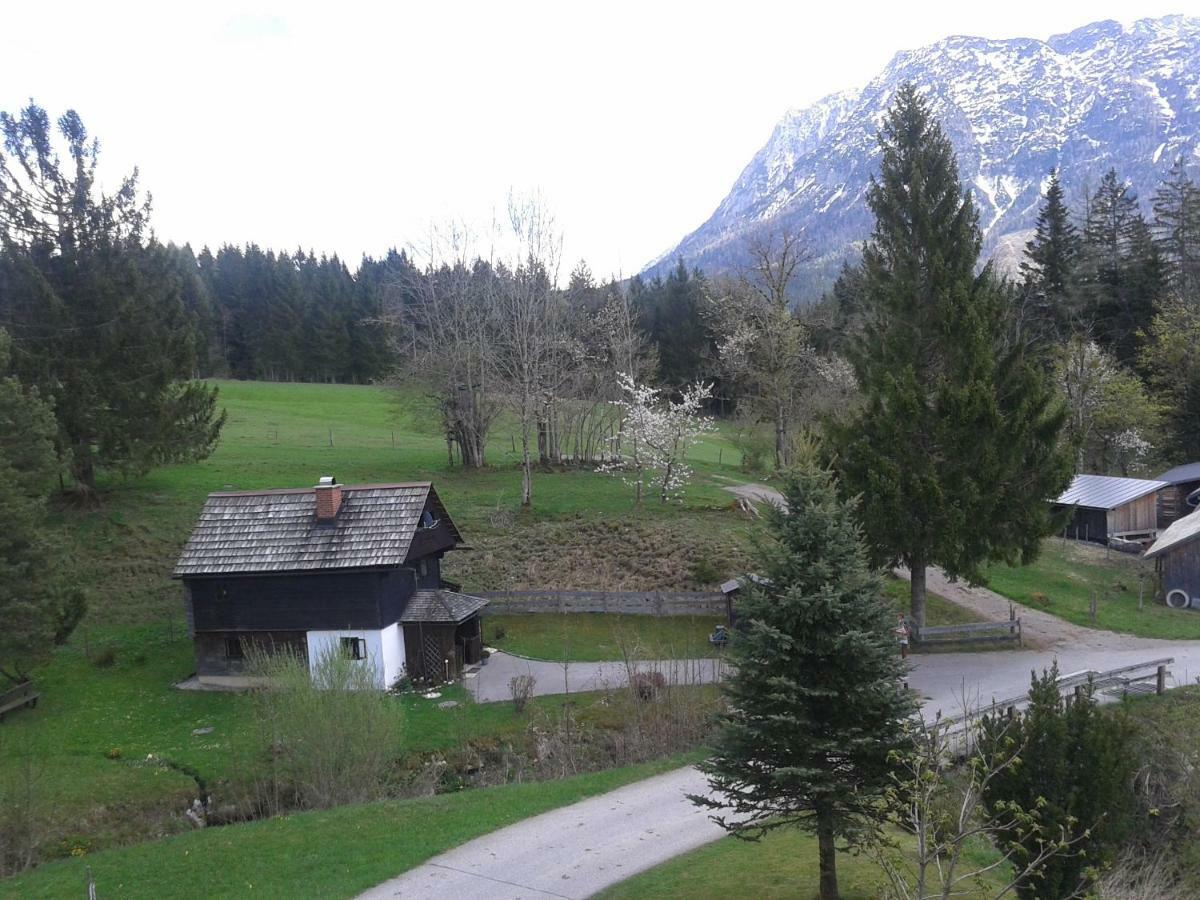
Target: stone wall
{"points": [[654, 603]]}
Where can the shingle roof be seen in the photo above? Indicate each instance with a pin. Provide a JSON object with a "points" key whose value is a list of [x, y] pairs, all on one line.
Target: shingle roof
{"points": [[1180, 474], [441, 606], [1182, 531], [1106, 491], [277, 531]]}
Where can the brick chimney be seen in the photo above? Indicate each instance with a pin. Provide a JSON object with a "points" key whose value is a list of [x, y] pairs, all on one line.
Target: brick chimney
{"points": [[329, 499]]}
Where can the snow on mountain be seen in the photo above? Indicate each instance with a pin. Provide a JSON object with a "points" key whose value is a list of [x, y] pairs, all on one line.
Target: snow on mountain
{"points": [[1102, 96]]}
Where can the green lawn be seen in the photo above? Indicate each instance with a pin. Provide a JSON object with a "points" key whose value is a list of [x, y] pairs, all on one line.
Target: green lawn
{"points": [[585, 637], [1068, 573], [109, 742], [336, 853], [782, 865]]}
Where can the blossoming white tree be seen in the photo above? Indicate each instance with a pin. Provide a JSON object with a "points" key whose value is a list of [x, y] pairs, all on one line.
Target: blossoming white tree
{"points": [[655, 435]]}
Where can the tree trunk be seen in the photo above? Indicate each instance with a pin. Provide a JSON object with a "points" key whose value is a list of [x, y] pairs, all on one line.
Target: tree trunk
{"points": [[526, 473], [827, 855], [83, 468], [917, 588], [780, 437]]}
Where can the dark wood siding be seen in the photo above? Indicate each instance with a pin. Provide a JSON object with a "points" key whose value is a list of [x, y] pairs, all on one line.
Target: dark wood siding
{"points": [[1088, 524], [213, 656], [300, 602], [1181, 569]]}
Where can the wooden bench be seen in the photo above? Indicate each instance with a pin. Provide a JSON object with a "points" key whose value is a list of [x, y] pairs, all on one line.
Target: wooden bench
{"points": [[15, 698], [967, 633]]}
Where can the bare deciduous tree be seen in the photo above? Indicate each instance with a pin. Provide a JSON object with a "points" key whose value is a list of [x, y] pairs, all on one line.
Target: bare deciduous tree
{"points": [[442, 328]]}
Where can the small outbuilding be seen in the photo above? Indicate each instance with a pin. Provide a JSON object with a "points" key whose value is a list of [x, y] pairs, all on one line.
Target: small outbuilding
{"points": [[347, 569], [1182, 482], [1107, 506], [1177, 559]]}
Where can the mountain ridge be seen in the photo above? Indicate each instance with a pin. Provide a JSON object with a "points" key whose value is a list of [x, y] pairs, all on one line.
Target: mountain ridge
{"points": [[1105, 95]]}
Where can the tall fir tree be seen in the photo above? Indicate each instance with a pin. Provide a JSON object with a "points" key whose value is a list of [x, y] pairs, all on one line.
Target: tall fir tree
{"points": [[96, 307], [1048, 269], [1177, 232], [957, 444], [816, 700], [1121, 272], [35, 611]]}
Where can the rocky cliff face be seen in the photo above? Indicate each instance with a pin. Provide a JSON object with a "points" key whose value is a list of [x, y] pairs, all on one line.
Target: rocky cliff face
{"points": [[1102, 96]]}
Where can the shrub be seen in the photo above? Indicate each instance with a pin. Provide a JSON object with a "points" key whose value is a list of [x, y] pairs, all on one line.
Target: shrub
{"points": [[112, 753], [499, 633], [331, 736], [1039, 598], [106, 658], [646, 685], [704, 571], [521, 687]]}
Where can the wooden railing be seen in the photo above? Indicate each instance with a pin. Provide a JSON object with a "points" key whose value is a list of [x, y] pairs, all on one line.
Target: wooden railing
{"points": [[959, 731], [968, 632]]}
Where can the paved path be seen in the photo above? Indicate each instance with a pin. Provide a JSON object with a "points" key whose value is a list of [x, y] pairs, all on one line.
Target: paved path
{"points": [[571, 852], [581, 849], [491, 682]]}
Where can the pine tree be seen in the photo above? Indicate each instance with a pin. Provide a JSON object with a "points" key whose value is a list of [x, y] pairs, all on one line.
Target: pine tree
{"points": [[35, 612], [815, 696], [96, 307], [1177, 231], [956, 447], [1121, 273], [1072, 769], [1048, 270]]}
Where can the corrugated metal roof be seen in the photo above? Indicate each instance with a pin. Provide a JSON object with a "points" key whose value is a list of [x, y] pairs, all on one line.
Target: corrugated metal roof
{"points": [[1106, 491], [441, 606], [1180, 474], [276, 531], [1182, 531]]}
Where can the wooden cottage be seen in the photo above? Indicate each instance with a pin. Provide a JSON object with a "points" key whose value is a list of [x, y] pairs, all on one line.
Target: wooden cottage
{"points": [[1177, 559], [1182, 482], [1106, 506], [348, 569]]}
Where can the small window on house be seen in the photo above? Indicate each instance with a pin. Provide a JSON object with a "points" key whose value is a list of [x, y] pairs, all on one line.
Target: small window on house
{"points": [[233, 648], [354, 648]]}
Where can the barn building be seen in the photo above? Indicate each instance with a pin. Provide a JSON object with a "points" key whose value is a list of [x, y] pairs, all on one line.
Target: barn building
{"points": [[348, 569], [1177, 560], [1182, 482], [1106, 506]]}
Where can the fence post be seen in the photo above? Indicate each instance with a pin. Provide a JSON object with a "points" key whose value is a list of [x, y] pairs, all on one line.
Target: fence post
{"points": [[1160, 682]]}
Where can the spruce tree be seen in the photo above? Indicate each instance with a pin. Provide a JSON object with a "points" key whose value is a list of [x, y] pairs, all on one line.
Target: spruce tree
{"points": [[956, 447], [1048, 270], [96, 307], [815, 696], [1177, 231], [34, 611], [1121, 272], [1071, 768]]}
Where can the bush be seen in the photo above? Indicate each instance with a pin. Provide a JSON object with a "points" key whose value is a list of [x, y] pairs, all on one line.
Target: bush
{"points": [[106, 658], [521, 687], [704, 571], [331, 736], [646, 685], [499, 633]]}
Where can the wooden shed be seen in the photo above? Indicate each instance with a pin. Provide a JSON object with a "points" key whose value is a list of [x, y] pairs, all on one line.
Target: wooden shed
{"points": [[1177, 560], [1107, 506], [1182, 481]]}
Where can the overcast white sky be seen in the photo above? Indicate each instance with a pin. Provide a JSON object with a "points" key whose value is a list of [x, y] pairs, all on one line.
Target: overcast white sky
{"points": [[350, 128]]}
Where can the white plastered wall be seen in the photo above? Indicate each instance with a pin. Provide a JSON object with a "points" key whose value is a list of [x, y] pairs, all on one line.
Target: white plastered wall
{"points": [[385, 650]]}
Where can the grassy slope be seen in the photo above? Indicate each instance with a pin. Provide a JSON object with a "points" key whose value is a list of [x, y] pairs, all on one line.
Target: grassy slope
{"points": [[336, 853], [782, 865], [279, 435], [599, 636], [1068, 573]]}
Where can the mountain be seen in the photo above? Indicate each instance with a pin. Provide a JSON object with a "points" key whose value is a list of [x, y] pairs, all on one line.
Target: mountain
{"points": [[1103, 96]]}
